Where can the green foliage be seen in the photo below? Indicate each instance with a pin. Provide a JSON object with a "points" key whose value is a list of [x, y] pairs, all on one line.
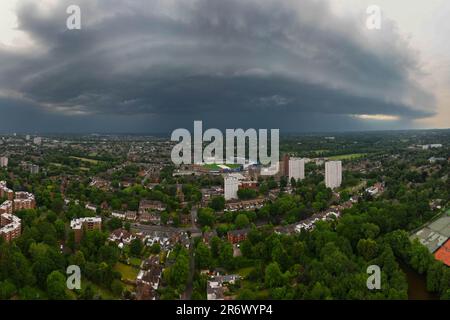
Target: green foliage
{"points": [[136, 247], [56, 286], [217, 203], [206, 217], [241, 221]]}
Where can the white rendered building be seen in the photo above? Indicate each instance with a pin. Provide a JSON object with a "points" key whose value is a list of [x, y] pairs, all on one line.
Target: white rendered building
{"points": [[231, 186], [296, 168], [333, 174]]}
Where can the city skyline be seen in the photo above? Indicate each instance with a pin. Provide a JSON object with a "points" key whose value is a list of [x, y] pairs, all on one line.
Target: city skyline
{"points": [[151, 66]]}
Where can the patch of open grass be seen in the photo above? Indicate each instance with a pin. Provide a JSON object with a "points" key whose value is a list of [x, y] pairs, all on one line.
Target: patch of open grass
{"points": [[350, 156], [244, 272], [128, 272], [106, 294], [93, 161]]}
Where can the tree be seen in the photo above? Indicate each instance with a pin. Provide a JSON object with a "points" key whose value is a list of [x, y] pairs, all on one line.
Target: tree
{"points": [[217, 203], [273, 276], [434, 276], [245, 194], [246, 294], [114, 223], [206, 217], [60, 228], [117, 287], [165, 217], [226, 255], [202, 256], [56, 286], [215, 244], [177, 274], [109, 253], [136, 247], [30, 293], [87, 293], [420, 257], [319, 291], [241, 221], [155, 248], [7, 289], [367, 248]]}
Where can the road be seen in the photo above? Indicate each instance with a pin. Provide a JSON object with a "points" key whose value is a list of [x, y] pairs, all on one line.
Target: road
{"points": [[151, 228], [187, 294]]}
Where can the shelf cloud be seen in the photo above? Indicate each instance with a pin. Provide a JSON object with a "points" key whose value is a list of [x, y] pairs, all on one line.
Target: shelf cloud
{"points": [[163, 63]]}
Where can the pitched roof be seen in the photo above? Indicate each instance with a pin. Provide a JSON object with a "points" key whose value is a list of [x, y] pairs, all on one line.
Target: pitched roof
{"points": [[443, 253]]}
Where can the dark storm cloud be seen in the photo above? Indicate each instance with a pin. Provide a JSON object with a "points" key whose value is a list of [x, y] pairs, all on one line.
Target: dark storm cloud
{"points": [[168, 60]]}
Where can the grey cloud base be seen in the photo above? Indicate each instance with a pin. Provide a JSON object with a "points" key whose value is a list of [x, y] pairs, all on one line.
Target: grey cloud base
{"points": [[152, 66]]}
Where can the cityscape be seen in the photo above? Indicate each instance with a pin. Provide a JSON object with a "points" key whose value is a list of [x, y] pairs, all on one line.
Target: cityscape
{"points": [[224, 157], [142, 228]]}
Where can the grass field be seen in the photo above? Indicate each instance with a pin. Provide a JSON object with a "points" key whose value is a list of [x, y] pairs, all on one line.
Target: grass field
{"points": [[244, 272], [350, 156], [85, 159], [128, 272], [320, 151], [214, 166], [135, 262], [104, 293]]}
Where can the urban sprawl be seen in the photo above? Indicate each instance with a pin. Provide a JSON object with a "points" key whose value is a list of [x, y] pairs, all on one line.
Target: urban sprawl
{"points": [[141, 228]]}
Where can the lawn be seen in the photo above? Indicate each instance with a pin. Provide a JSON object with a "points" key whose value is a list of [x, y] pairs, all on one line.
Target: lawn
{"points": [[104, 293], [128, 272], [135, 262], [215, 166], [244, 272], [350, 156], [85, 159]]}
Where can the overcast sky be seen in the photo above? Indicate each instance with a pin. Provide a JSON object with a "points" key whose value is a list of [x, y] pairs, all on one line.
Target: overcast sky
{"points": [[156, 65]]}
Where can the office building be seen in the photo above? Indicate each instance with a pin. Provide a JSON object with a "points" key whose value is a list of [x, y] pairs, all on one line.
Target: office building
{"points": [[333, 174]]}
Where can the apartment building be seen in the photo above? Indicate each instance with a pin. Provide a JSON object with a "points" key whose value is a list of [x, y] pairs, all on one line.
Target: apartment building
{"points": [[333, 174], [5, 192], [10, 226], [85, 224], [24, 201], [231, 187], [296, 169], [236, 236], [3, 162]]}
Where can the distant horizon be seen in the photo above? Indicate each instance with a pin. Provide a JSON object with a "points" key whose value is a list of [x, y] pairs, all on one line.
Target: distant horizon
{"points": [[168, 133]]}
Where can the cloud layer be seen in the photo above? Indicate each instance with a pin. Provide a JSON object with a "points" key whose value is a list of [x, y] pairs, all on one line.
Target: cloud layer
{"points": [[170, 62]]}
